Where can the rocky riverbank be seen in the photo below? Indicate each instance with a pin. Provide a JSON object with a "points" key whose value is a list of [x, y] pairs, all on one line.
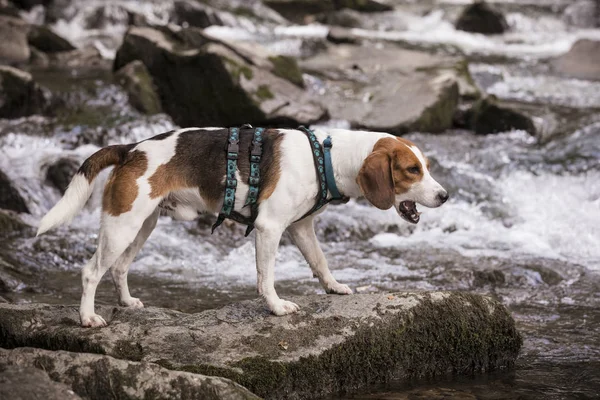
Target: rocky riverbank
{"points": [[334, 345]]}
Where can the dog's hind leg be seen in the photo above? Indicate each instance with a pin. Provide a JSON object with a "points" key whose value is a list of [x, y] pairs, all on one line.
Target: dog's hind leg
{"points": [[121, 266], [304, 236], [116, 234]]}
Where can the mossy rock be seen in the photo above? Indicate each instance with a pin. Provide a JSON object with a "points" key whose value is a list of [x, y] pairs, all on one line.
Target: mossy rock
{"points": [[398, 336], [139, 85], [92, 376], [204, 82]]}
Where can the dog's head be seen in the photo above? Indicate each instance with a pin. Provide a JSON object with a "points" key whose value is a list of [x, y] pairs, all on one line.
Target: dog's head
{"points": [[397, 174]]}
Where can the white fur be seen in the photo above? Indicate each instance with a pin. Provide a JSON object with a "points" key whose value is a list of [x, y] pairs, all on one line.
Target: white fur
{"points": [[76, 195]]}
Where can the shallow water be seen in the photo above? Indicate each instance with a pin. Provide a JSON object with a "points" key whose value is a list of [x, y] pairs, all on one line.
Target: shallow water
{"points": [[522, 225]]}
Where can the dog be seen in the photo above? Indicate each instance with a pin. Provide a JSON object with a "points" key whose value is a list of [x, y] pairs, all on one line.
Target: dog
{"points": [[181, 173]]}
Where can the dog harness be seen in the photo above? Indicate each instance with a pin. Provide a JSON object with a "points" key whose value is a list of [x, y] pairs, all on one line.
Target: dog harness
{"points": [[323, 167]]}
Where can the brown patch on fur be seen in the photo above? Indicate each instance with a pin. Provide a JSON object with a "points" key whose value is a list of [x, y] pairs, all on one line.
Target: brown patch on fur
{"points": [[121, 189], [385, 172], [200, 160], [111, 155], [270, 165]]}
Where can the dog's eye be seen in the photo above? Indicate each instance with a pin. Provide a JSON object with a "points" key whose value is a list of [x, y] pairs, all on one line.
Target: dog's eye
{"points": [[414, 170]]}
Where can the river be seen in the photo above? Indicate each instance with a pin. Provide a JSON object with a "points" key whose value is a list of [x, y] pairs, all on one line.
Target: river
{"points": [[522, 224]]}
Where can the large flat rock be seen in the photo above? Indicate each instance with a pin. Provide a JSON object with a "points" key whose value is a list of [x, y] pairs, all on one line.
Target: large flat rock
{"points": [[334, 344], [92, 376], [391, 89]]}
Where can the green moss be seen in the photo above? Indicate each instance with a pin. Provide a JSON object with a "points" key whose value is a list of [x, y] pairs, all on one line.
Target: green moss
{"points": [[264, 93], [287, 68], [237, 70], [439, 116], [128, 350], [436, 338]]}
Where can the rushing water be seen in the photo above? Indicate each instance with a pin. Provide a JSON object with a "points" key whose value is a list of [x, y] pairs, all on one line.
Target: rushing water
{"points": [[522, 225]]}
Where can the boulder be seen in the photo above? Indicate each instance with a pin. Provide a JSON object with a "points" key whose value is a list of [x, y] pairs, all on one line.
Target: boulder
{"points": [[20, 96], [44, 39], [92, 376], [298, 10], [86, 57], [13, 46], [60, 173], [30, 383], [137, 82], [11, 225], [345, 18], [194, 14], [389, 89], [479, 17], [334, 344], [205, 82], [487, 116], [10, 199], [581, 62]]}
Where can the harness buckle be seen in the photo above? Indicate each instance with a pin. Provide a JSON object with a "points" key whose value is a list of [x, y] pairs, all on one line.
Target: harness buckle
{"points": [[232, 149]]}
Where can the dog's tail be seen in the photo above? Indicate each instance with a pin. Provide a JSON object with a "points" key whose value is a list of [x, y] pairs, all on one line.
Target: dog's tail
{"points": [[81, 187]]}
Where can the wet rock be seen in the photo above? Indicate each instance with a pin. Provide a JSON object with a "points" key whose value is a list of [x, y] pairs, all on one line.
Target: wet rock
{"points": [[13, 46], [199, 78], [334, 344], [137, 82], [339, 35], [30, 383], [581, 62], [61, 172], [488, 116], [388, 89], [92, 376], [11, 225], [479, 17], [345, 18], [7, 8], [87, 57], [29, 4], [10, 199], [194, 14], [44, 39], [582, 14], [20, 96], [298, 10]]}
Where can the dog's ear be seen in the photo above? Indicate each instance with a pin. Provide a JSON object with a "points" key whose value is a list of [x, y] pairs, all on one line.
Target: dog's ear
{"points": [[375, 180]]}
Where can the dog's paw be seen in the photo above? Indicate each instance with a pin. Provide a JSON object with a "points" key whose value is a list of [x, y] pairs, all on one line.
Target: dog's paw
{"points": [[284, 307], [338, 288], [132, 302], [92, 321]]}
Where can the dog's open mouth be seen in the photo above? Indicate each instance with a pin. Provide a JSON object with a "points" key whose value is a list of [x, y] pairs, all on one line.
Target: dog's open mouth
{"points": [[408, 211]]}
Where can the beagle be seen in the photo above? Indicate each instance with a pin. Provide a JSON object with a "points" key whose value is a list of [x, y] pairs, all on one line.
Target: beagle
{"points": [[182, 173]]}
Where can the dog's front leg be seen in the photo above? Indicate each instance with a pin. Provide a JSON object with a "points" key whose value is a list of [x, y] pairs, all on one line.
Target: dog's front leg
{"points": [[304, 236], [267, 241]]}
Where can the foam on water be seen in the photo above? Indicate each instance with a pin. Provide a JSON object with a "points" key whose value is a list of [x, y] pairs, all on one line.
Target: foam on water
{"points": [[554, 217]]}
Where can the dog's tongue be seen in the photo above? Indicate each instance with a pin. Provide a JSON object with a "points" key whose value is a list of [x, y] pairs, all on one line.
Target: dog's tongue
{"points": [[408, 211]]}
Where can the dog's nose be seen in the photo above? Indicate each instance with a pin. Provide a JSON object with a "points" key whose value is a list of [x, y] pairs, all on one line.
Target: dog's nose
{"points": [[443, 197]]}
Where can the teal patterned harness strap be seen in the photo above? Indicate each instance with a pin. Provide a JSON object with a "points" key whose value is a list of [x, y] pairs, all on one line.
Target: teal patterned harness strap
{"points": [[230, 183], [254, 178], [319, 159]]}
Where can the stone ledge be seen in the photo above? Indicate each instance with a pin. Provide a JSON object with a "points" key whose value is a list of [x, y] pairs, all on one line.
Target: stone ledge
{"points": [[335, 344]]}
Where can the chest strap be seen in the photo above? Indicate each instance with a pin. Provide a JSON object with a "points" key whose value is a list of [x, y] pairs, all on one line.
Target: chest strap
{"points": [[227, 210], [324, 169]]}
